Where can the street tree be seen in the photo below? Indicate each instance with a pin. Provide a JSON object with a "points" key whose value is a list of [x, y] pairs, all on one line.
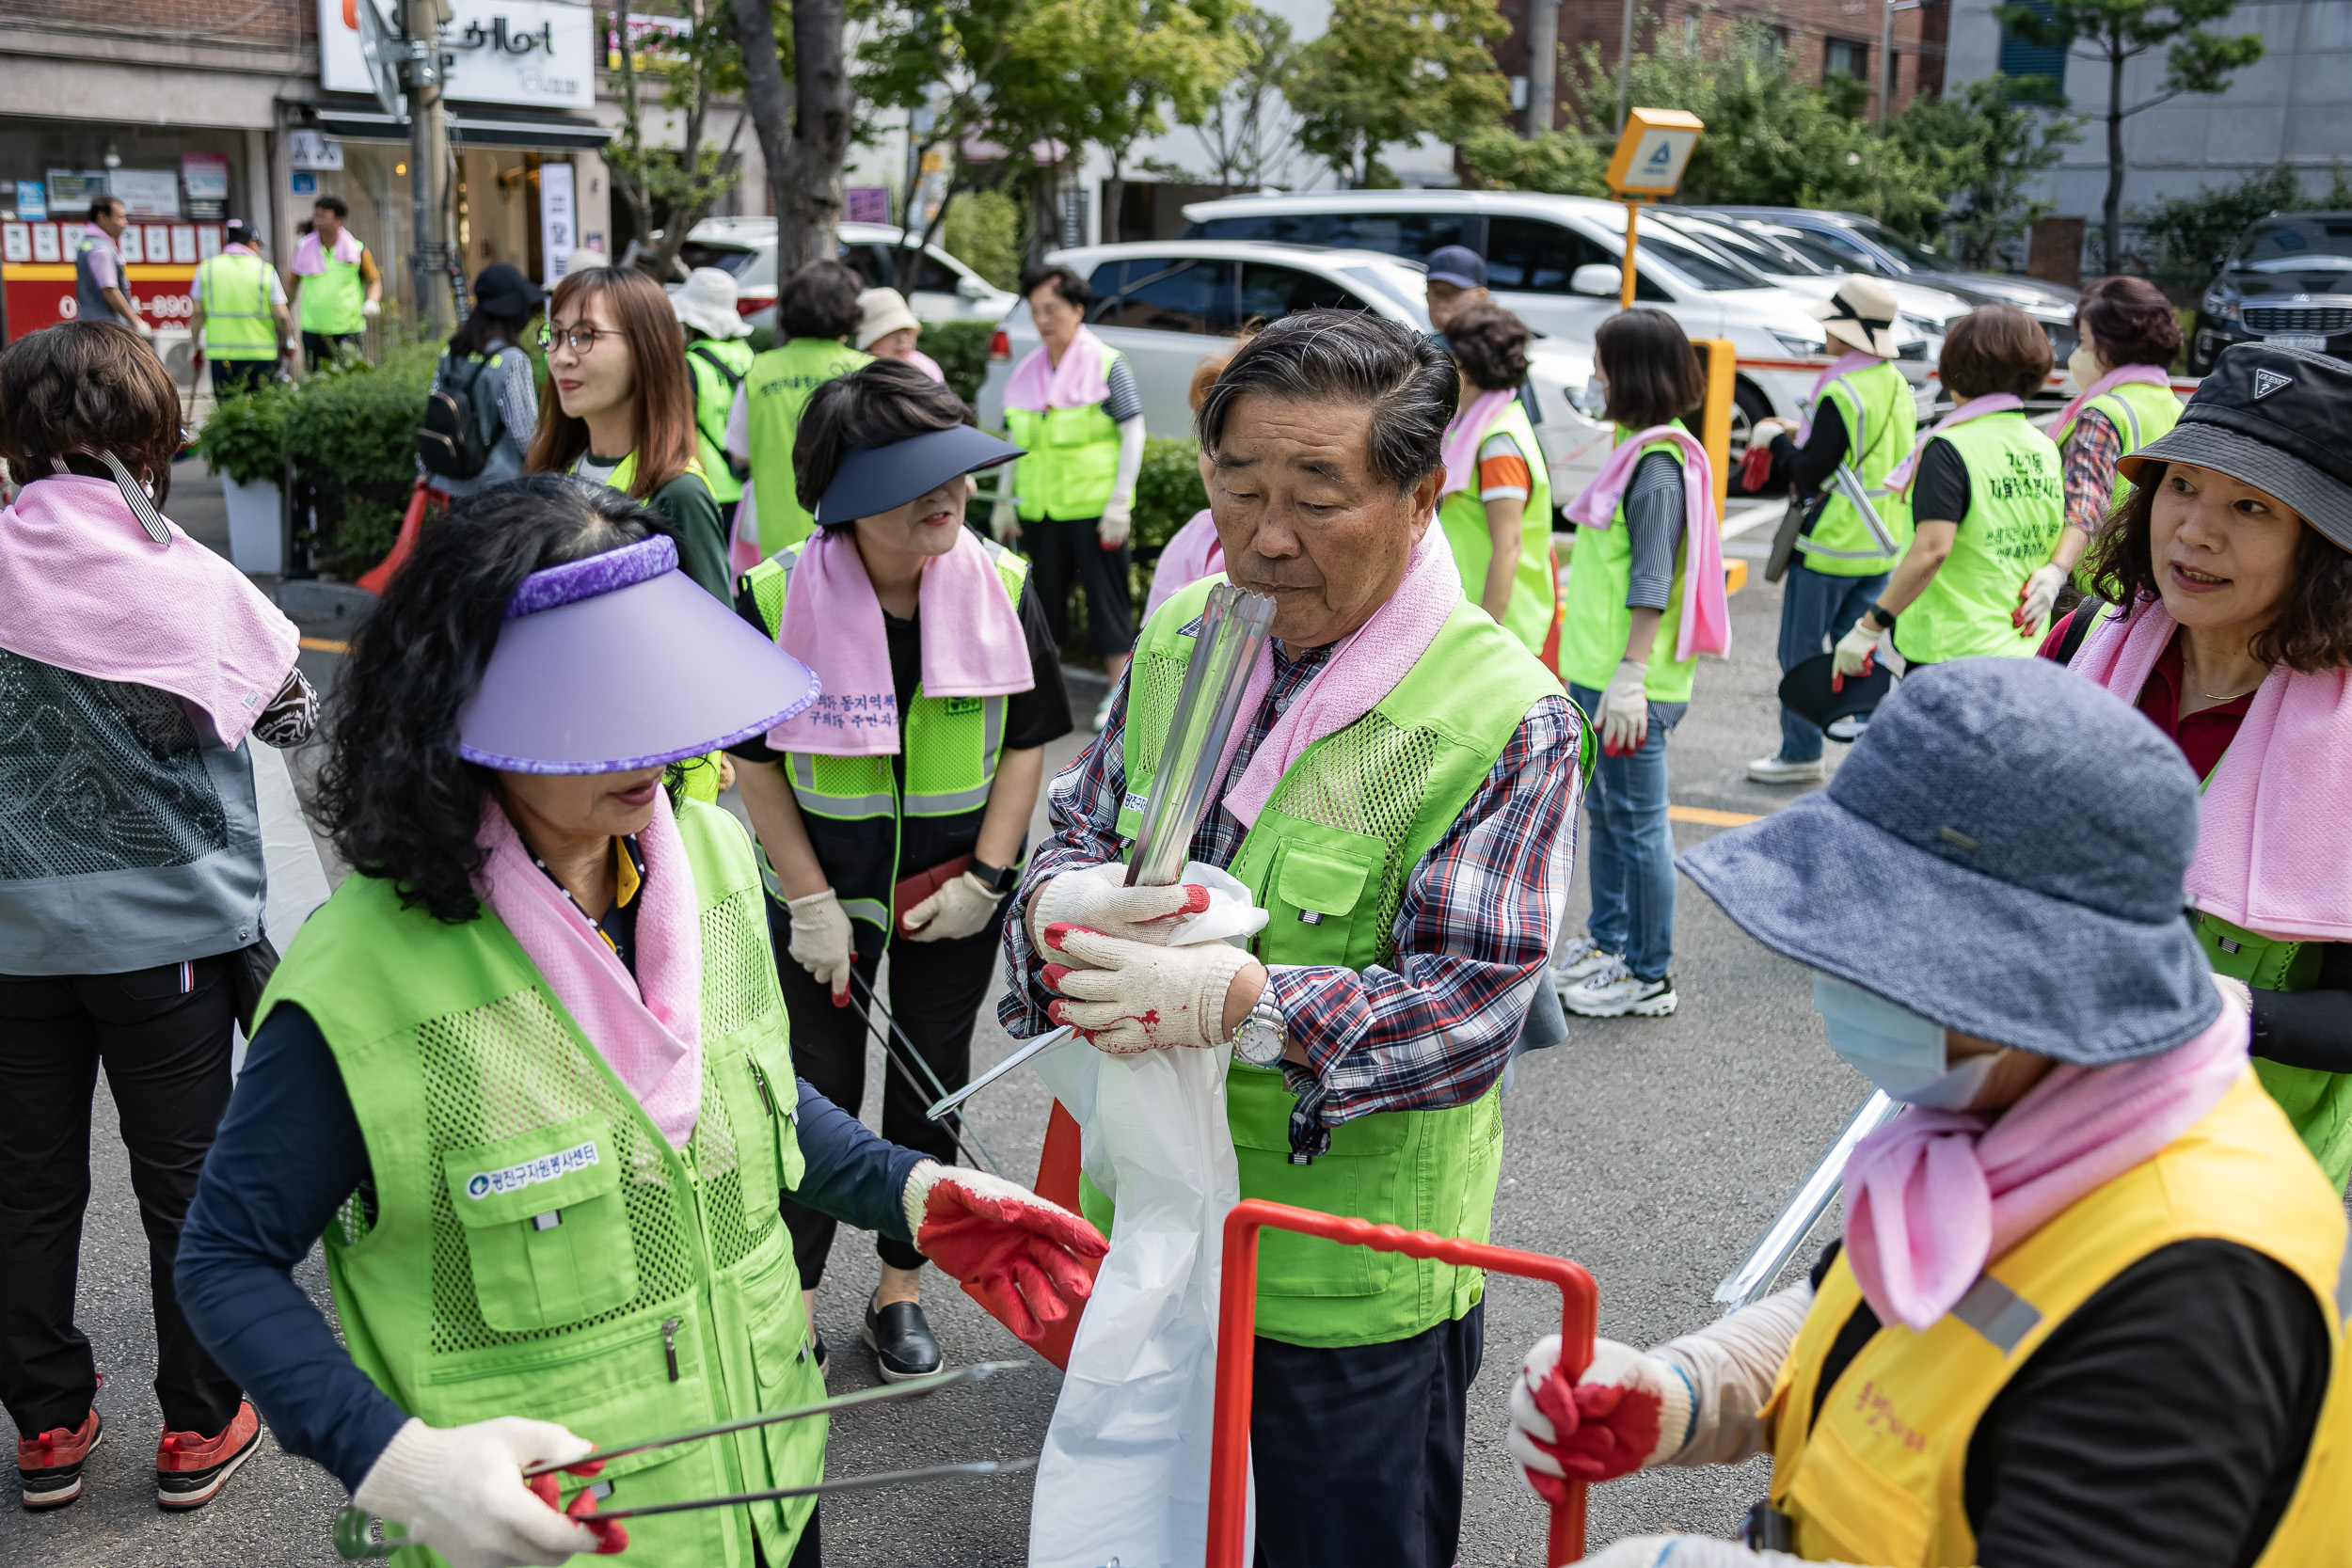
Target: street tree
{"points": [[936, 59], [1250, 129], [2113, 34], [1991, 146], [1558, 163], [803, 123], [1395, 71], [668, 190]]}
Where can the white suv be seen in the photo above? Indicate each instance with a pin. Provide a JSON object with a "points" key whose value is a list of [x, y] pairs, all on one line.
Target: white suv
{"points": [[945, 289], [1169, 304]]}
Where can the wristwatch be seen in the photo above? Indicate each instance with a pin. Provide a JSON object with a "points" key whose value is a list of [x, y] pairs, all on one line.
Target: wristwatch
{"points": [[1883, 616], [1259, 1040], [998, 879]]}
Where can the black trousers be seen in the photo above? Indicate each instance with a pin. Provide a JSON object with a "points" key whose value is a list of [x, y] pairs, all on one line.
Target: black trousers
{"points": [[320, 348], [234, 377], [166, 1051], [1359, 1449], [936, 991], [1063, 551]]}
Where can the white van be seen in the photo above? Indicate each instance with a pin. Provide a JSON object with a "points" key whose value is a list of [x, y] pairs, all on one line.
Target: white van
{"points": [[945, 289]]}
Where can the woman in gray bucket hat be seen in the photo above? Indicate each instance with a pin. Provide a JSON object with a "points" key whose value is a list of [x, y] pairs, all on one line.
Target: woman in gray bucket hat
{"points": [[2084, 1309], [2231, 558]]}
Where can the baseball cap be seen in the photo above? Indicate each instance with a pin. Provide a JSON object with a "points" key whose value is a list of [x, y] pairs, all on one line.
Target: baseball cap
{"points": [[1457, 264]]}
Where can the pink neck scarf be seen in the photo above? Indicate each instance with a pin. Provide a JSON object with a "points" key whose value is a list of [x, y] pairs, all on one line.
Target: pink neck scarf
{"points": [[1705, 613], [1463, 435], [1844, 365], [1933, 1197], [2274, 834], [2123, 375], [1899, 477], [1082, 378], [972, 645], [1193, 552], [87, 590], [648, 1028], [1364, 667], [310, 256]]}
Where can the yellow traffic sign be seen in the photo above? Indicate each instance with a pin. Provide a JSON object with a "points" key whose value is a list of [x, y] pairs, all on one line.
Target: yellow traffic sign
{"points": [[1652, 151]]}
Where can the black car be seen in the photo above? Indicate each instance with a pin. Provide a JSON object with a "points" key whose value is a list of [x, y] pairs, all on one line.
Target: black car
{"points": [[2288, 280]]}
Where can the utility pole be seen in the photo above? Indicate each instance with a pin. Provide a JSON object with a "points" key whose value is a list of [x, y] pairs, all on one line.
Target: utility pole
{"points": [[428, 160], [1886, 60], [1543, 59], [1625, 64]]}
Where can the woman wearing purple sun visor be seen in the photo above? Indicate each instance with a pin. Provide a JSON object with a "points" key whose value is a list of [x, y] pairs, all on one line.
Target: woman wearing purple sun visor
{"points": [[529, 1074]]}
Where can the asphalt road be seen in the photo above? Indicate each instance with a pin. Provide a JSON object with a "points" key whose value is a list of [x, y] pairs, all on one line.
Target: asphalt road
{"points": [[1653, 1151]]}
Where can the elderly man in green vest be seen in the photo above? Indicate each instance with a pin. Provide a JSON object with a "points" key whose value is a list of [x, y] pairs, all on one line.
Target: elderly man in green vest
{"points": [[1401, 797], [241, 321], [338, 287]]}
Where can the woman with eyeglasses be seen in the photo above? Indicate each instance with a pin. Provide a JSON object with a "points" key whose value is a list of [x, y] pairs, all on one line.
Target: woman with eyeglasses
{"points": [[618, 408]]}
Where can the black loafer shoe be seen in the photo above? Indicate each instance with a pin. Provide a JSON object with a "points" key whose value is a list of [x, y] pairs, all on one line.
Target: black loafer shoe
{"points": [[901, 1337], [819, 1350]]}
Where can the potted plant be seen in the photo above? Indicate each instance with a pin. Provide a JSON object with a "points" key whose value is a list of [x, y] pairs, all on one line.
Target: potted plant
{"points": [[244, 443]]}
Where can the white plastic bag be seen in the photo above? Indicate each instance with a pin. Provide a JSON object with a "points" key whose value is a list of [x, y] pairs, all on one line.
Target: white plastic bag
{"points": [[1126, 1472]]}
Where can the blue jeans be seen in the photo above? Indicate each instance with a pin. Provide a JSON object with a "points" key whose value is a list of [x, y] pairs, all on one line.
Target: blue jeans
{"points": [[1815, 611], [1631, 856]]}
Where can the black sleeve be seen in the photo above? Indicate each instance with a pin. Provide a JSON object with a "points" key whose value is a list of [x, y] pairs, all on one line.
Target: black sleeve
{"points": [[702, 536], [2163, 1425], [2310, 1028], [1809, 466], [1040, 714], [1940, 493]]}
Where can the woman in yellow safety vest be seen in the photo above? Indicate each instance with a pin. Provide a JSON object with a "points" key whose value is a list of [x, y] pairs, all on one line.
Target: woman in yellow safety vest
{"points": [[895, 813], [2088, 1306], [1496, 509], [717, 359], [816, 310]]}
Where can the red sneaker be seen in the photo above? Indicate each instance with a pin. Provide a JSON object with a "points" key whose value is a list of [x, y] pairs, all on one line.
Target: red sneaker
{"points": [[191, 1467], [49, 1465]]}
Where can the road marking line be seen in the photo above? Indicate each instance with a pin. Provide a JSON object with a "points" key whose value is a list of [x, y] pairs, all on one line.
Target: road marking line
{"points": [[325, 645], [1708, 817]]}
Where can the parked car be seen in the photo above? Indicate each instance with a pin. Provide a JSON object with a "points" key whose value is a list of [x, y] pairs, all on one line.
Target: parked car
{"points": [[945, 289], [1554, 260], [2288, 280], [1167, 305]]}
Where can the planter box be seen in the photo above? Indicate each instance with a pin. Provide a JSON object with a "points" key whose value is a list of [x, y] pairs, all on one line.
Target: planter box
{"points": [[256, 528]]}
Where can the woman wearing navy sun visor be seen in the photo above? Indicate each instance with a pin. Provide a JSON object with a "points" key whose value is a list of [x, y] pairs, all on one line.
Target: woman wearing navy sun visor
{"points": [[528, 1073], [894, 812]]}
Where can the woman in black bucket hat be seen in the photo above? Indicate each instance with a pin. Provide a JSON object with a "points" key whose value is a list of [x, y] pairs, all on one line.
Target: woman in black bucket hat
{"points": [[2085, 1308]]}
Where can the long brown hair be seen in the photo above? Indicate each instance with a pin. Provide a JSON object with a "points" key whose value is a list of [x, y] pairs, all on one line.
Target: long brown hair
{"points": [[665, 398]]}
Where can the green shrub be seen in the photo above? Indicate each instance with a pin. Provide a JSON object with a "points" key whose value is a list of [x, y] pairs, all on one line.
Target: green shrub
{"points": [[2192, 234], [244, 437], [352, 432], [961, 349], [1167, 492]]}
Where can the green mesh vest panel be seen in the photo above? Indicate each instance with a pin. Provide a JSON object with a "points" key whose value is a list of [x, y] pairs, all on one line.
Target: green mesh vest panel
{"points": [[775, 390], [1882, 422], [536, 1247], [2016, 506], [1598, 623], [1339, 840], [1463, 515], [2319, 1103]]}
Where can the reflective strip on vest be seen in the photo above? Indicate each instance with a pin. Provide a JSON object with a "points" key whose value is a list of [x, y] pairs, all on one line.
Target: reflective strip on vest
{"points": [[1072, 460], [1881, 420], [1997, 1312], [232, 334]]}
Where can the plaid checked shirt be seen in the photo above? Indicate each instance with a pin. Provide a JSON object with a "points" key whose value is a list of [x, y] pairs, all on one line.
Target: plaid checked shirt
{"points": [[1473, 937]]}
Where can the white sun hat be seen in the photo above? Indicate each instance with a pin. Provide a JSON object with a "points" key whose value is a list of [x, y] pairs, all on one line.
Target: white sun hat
{"points": [[706, 302]]}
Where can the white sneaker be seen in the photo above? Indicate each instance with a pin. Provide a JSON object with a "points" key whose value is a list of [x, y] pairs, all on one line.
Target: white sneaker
{"points": [[1613, 992], [1582, 957], [1771, 770], [1103, 708]]}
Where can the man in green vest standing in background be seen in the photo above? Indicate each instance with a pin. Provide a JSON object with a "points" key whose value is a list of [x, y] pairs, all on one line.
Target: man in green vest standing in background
{"points": [[241, 323], [816, 310], [717, 359], [1410, 831], [337, 287]]}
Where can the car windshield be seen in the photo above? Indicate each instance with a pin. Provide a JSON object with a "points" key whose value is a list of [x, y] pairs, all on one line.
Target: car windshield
{"points": [[1817, 247], [2296, 244], [1909, 252], [1414, 302], [1760, 254], [1710, 270], [728, 259]]}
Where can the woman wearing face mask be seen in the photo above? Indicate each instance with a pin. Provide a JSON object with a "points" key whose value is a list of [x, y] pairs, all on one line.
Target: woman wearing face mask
{"points": [[1496, 509], [2085, 1308], [2231, 557], [895, 812]]}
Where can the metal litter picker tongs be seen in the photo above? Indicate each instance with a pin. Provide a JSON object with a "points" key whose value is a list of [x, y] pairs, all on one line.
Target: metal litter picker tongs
{"points": [[359, 1536], [1233, 628]]}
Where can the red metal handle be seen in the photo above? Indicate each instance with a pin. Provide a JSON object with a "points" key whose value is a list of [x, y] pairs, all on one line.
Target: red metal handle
{"points": [[1236, 1330]]}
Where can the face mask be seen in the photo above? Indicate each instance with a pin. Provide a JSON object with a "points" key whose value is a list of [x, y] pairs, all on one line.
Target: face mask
{"points": [[1896, 1049], [2083, 368], [1596, 395]]}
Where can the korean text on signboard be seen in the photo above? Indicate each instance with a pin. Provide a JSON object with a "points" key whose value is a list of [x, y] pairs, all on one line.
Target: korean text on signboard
{"points": [[527, 51]]}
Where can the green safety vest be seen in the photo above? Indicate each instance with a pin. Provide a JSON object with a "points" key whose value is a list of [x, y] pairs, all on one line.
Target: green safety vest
{"points": [[868, 834], [2139, 414], [2016, 506], [717, 367], [1072, 458], [1463, 515], [536, 1247], [1881, 421], [1338, 841], [331, 300], [1592, 643], [229, 283], [776, 387], [2319, 1103]]}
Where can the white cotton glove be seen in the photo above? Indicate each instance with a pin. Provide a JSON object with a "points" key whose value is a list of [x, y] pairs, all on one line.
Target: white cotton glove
{"points": [[1630, 1411], [820, 941], [1856, 651], [1021, 1257], [963, 907], [372, 308], [2236, 991], [1128, 997], [1098, 897], [2038, 597], [460, 1491], [1004, 521], [1117, 522], [1690, 1551], [1624, 710]]}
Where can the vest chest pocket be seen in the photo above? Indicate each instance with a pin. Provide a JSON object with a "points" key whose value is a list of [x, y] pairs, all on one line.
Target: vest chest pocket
{"points": [[1318, 901], [763, 1097], [545, 1230]]}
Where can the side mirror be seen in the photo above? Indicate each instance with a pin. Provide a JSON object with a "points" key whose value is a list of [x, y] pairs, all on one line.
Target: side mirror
{"points": [[1598, 278], [974, 288]]}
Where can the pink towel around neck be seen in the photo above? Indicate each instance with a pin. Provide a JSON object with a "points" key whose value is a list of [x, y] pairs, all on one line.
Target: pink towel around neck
{"points": [[1364, 667], [1192, 552], [1705, 612], [1082, 378], [1844, 365], [1899, 478], [2123, 375], [648, 1028], [2274, 834], [82, 587], [924, 363], [310, 256], [1462, 440], [1933, 1197], [972, 645]]}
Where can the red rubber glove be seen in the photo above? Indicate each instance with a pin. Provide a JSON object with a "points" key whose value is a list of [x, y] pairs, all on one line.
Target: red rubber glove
{"points": [[1756, 467], [1013, 1253], [611, 1534], [1606, 1424]]}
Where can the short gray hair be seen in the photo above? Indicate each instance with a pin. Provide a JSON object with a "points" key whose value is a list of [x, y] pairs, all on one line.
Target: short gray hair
{"points": [[1351, 356]]}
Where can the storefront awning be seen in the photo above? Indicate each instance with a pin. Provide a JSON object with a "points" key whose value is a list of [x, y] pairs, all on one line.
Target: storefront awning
{"points": [[355, 125]]}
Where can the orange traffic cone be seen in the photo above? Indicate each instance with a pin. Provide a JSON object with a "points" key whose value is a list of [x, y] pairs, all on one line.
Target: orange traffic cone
{"points": [[381, 576]]}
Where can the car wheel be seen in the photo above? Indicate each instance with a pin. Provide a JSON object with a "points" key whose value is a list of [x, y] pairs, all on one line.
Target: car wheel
{"points": [[1749, 407]]}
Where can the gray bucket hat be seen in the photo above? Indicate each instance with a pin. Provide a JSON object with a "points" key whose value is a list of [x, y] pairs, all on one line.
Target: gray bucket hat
{"points": [[2275, 418], [2002, 853]]}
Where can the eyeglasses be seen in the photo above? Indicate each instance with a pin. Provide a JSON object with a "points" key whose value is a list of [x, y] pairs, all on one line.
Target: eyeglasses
{"points": [[582, 339]]}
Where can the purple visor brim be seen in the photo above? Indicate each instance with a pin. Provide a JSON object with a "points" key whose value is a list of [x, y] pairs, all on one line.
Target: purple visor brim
{"points": [[645, 673]]}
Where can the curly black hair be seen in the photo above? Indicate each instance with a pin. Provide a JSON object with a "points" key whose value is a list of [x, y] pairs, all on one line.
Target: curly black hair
{"points": [[393, 794]]}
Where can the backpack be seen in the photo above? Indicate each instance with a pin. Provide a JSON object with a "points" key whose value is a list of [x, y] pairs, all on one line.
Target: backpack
{"points": [[462, 423]]}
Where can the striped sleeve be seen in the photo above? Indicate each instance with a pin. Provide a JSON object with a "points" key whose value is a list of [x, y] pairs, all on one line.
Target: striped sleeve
{"points": [[1122, 402], [1502, 471]]}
